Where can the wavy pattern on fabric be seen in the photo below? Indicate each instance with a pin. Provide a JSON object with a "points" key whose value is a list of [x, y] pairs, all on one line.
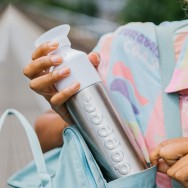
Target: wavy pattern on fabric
{"points": [[130, 69]]}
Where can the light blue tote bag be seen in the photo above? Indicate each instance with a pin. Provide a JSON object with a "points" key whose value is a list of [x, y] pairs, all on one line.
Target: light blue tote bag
{"points": [[71, 166]]}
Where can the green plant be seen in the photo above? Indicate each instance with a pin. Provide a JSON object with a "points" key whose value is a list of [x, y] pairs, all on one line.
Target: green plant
{"points": [[152, 11], [82, 6]]}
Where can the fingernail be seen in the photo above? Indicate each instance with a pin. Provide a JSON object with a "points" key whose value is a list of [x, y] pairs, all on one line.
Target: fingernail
{"points": [[64, 71], [56, 59], [95, 59], [53, 44], [98, 57], [75, 86]]}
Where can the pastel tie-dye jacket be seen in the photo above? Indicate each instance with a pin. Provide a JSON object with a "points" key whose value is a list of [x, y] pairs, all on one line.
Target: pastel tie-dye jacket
{"points": [[130, 70]]}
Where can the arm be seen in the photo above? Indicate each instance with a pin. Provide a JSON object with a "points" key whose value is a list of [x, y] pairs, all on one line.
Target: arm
{"points": [[49, 128]]}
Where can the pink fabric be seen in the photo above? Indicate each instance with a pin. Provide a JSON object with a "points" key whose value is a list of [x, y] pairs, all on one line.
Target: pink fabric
{"points": [[133, 71]]}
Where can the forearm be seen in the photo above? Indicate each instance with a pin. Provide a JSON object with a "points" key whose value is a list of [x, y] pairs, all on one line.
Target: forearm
{"points": [[49, 127]]}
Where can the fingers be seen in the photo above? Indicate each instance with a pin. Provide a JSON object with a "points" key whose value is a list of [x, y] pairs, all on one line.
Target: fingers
{"points": [[162, 167], [179, 171], [175, 150], [62, 96], [43, 63], [44, 49], [155, 155], [170, 151], [180, 164], [94, 58], [41, 83]]}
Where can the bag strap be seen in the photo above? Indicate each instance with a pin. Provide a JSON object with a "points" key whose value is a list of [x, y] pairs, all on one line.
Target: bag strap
{"points": [[171, 109], [172, 121], [35, 146]]}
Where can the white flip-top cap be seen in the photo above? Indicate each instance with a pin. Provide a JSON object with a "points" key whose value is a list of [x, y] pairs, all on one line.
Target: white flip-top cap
{"points": [[82, 70], [58, 33]]}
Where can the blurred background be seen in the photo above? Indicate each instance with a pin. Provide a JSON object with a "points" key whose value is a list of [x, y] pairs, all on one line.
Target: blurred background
{"points": [[92, 18], [21, 22]]}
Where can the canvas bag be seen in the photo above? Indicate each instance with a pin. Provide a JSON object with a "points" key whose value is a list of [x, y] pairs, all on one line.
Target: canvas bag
{"points": [[73, 165]]}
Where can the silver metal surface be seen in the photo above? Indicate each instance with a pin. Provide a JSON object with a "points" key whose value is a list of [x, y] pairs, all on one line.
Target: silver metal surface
{"points": [[108, 137]]}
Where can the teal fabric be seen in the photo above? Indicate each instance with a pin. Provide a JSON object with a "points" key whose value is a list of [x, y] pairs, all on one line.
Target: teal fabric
{"points": [[71, 166], [171, 109], [144, 179]]}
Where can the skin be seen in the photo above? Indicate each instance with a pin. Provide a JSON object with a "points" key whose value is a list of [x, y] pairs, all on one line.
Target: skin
{"points": [[52, 123], [170, 156], [49, 127]]}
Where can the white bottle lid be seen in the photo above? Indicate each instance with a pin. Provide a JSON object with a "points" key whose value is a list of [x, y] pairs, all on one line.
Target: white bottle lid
{"points": [[58, 33], [82, 70]]}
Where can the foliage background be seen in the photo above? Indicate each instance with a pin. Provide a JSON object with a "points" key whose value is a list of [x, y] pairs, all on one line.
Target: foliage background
{"points": [[131, 10], [153, 11]]}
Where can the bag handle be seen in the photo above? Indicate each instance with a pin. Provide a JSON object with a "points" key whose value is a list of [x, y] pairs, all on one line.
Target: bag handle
{"points": [[35, 146]]}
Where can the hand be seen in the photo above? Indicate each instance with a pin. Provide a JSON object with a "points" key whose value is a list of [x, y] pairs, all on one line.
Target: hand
{"points": [[42, 81], [171, 158]]}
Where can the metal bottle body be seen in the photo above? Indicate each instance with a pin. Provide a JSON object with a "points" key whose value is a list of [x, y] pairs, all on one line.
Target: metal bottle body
{"points": [[107, 136], [109, 139]]}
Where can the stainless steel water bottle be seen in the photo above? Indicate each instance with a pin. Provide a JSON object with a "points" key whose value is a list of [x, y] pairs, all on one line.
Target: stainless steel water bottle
{"points": [[105, 132]]}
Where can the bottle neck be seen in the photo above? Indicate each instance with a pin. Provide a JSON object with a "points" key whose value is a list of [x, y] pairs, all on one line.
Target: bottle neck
{"points": [[62, 50]]}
